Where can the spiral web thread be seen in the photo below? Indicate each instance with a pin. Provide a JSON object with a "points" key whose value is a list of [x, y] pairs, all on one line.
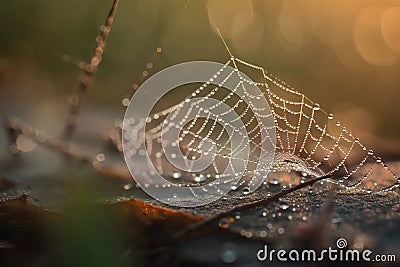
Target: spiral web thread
{"points": [[308, 139]]}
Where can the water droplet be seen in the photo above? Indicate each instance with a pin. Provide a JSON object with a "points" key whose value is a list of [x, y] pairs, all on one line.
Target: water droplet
{"points": [[100, 157], [263, 233], [330, 116], [357, 140], [284, 206], [234, 187], [125, 102], [237, 215], [273, 181], [224, 223], [378, 160], [336, 220], [24, 144], [246, 191], [200, 178], [304, 174], [128, 186], [316, 106], [229, 255], [264, 213], [176, 175], [337, 124], [370, 152]]}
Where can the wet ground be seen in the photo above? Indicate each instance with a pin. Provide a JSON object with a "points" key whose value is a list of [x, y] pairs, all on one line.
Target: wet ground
{"points": [[150, 233]]}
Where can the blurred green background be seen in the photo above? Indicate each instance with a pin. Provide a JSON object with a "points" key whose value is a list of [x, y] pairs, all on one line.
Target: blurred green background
{"points": [[343, 54]]}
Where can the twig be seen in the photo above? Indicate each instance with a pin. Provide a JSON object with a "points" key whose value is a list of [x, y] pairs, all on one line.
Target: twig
{"points": [[90, 70], [113, 137], [63, 147], [247, 205], [18, 126]]}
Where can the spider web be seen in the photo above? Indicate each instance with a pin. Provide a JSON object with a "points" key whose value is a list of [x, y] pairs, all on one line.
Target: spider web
{"points": [[308, 139]]}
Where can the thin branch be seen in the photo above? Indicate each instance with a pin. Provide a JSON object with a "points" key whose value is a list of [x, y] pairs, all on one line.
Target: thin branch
{"points": [[17, 126], [90, 70], [246, 206], [65, 148], [114, 138]]}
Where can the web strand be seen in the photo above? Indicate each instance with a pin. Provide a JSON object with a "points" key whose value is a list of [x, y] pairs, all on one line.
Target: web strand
{"points": [[308, 140]]}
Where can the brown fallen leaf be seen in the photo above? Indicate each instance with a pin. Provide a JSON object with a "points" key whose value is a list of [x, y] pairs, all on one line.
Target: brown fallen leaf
{"points": [[155, 221], [16, 213]]}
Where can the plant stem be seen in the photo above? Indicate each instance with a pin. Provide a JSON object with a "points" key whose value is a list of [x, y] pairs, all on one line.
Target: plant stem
{"points": [[89, 72]]}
